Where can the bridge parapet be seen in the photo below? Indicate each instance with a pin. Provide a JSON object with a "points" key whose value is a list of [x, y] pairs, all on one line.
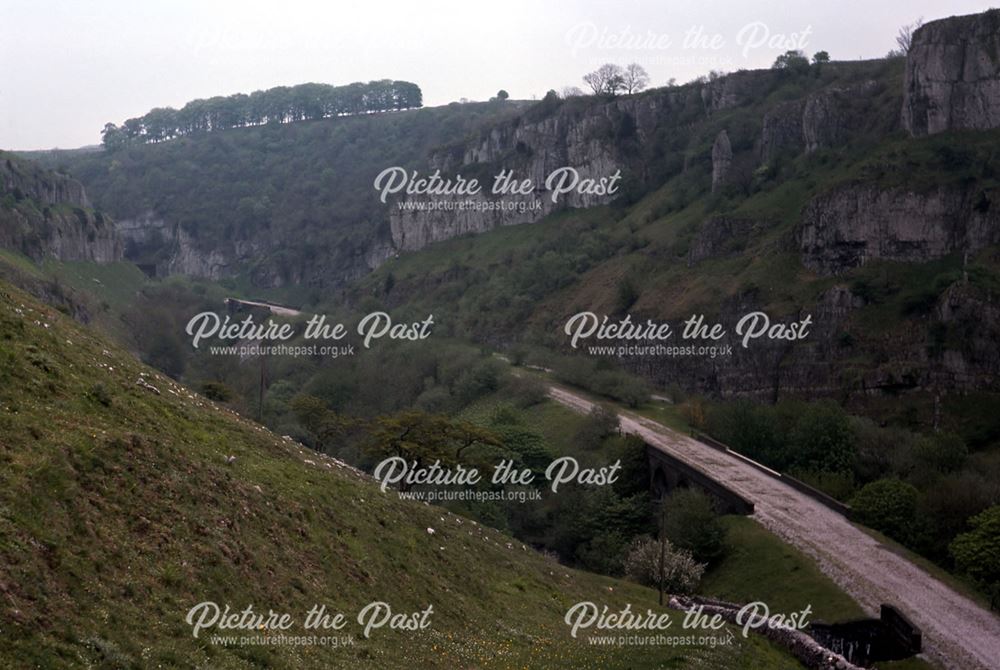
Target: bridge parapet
{"points": [[668, 473]]}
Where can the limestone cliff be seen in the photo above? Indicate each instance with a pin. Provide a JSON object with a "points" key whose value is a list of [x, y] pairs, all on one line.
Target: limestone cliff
{"points": [[596, 140], [825, 119], [858, 223], [44, 214], [838, 360], [721, 236], [952, 79], [164, 248]]}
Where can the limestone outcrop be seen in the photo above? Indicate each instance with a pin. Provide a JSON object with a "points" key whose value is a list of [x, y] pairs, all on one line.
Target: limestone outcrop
{"points": [[44, 214], [858, 223], [952, 79], [722, 160]]}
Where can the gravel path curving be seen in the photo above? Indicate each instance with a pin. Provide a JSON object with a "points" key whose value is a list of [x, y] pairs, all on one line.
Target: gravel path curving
{"points": [[957, 632]]}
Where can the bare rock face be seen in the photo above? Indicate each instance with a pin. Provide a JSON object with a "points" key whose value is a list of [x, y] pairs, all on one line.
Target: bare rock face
{"points": [[952, 78], [47, 215], [828, 117], [823, 120], [720, 236], [722, 160], [858, 223], [43, 186], [972, 318], [596, 141], [782, 130], [826, 363], [415, 229], [736, 89], [166, 248]]}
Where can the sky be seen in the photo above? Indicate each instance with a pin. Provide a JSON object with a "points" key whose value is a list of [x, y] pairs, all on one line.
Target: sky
{"points": [[67, 68]]}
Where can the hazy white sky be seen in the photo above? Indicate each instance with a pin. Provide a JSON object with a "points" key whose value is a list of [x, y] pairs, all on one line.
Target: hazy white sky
{"points": [[68, 67]]}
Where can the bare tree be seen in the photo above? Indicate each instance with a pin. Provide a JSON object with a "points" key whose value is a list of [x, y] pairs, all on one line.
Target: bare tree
{"points": [[634, 78], [904, 39], [605, 80], [571, 92]]}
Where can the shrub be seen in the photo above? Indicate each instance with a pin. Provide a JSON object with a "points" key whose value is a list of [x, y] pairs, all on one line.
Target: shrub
{"points": [[943, 452], [946, 507], [100, 393], [217, 391], [604, 553], [526, 392], [747, 428], [681, 573], [977, 552], [481, 380], [822, 438], [887, 505], [598, 424], [527, 448], [504, 414], [883, 451], [692, 523]]}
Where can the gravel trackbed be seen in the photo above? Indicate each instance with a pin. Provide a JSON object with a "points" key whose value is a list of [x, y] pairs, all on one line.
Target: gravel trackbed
{"points": [[958, 633]]}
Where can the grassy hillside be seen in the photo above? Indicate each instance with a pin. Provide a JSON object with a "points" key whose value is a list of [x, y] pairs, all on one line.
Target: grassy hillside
{"points": [[119, 512]]}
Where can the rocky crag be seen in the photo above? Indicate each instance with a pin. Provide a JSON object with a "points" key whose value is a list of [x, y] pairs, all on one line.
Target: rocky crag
{"points": [[598, 138], [952, 77], [44, 214], [859, 223]]}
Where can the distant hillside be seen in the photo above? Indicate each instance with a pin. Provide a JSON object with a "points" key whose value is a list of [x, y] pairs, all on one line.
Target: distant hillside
{"points": [[294, 204], [120, 510], [275, 204], [797, 191]]}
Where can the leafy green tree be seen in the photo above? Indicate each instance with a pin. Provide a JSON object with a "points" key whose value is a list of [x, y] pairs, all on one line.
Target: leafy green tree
{"points": [[423, 438], [942, 452], [527, 448], [216, 390], [821, 57], [502, 95], [692, 523], [280, 104], [634, 477], [113, 138], [792, 61], [977, 552], [411, 435], [325, 425], [750, 429], [889, 506], [482, 379], [822, 439]]}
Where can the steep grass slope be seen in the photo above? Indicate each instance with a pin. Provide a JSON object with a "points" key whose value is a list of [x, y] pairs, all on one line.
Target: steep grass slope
{"points": [[119, 511]]}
